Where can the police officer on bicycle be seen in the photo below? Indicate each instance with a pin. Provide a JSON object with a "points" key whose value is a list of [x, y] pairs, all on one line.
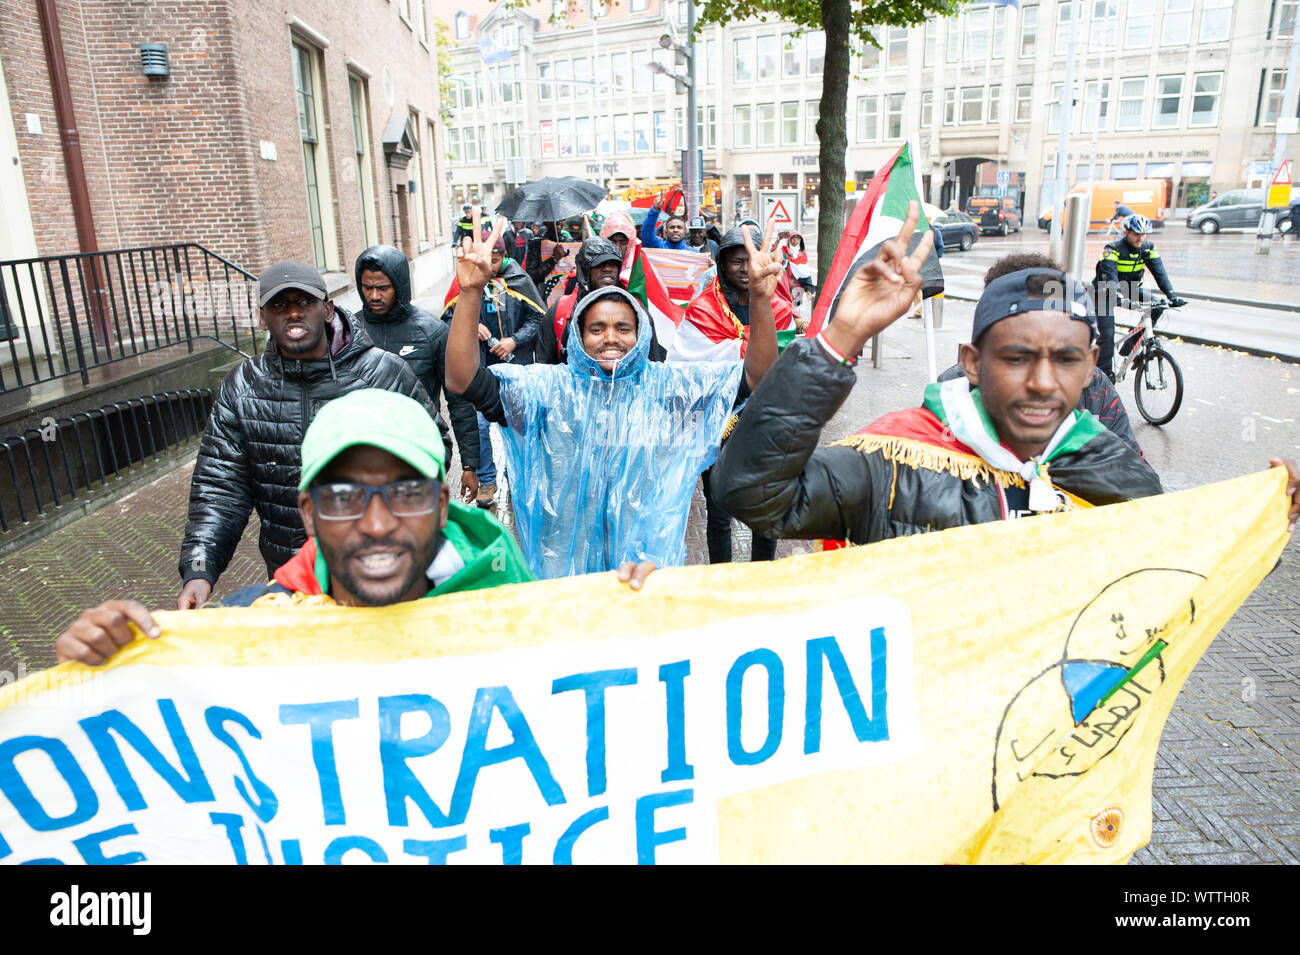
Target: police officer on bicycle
{"points": [[1120, 271]]}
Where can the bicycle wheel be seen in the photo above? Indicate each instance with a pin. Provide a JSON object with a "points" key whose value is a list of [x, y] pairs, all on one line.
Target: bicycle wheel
{"points": [[1158, 386]]}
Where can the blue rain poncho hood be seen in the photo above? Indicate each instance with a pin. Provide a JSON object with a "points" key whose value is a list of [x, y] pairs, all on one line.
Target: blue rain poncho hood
{"points": [[603, 465]]}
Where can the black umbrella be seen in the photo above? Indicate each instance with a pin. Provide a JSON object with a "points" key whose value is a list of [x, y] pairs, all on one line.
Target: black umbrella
{"points": [[551, 199]]}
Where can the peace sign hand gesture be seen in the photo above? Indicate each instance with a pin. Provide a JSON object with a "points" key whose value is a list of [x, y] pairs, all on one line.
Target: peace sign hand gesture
{"points": [[881, 291], [474, 259], [764, 265]]}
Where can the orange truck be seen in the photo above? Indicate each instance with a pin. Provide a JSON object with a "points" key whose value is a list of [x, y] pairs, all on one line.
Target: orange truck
{"points": [[1148, 197]]}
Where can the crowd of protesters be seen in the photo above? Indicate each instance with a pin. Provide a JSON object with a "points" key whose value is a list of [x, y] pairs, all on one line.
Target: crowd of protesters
{"points": [[334, 434]]}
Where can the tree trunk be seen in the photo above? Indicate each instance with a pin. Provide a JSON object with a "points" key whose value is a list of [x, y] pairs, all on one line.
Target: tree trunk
{"points": [[832, 135]]}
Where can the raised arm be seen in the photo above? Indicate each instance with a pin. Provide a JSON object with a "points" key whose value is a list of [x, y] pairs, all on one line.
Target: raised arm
{"points": [[473, 272], [764, 273]]}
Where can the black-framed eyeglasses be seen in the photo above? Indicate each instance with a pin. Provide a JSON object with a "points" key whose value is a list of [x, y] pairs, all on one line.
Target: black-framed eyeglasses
{"points": [[342, 501]]}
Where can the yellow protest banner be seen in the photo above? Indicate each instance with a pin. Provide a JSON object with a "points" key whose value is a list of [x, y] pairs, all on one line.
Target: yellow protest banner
{"points": [[987, 694]]}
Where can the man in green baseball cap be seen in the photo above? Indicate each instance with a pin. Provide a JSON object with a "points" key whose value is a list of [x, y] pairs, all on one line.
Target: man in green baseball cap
{"points": [[381, 528]]}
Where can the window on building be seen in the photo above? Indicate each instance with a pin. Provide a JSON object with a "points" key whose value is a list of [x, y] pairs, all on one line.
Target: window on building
{"points": [[639, 6], [710, 48], [315, 154], [559, 11], [1216, 18], [706, 127], [1105, 25], [976, 49], [1062, 28], [995, 104], [598, 9], [361, 146], [605, 134], [453, 145], [482, 144], [544, 81], [742, 61], [1283, 22], [582, 72], [1028, 31], [508, 37], [1024, 103], [418, 198], [641, 75], [1139, 24], [894, 116], [811, 113], [661, 131], [949, 107], [1176, 29], [767, 57], [869, 59], [1096, 106], [896, 51], [927, 109], [1124, 170], [767, 124], [999, 32], [816, 52], [789, 124], [972, 104], [462, 26], [1132, 98], [620, 70], [1271, 85], [582, 133], [1169, 102], [512, 141], [506, 80], [604, 75], [1205, 99], [868, 119], [952, 42], [623, 133], [930, 51], [642, 133], [791, 54], [742, 127], [1054, 108]]}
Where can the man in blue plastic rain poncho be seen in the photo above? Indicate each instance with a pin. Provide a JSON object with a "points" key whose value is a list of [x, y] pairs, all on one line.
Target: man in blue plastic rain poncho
{"points": [[604, 451]]}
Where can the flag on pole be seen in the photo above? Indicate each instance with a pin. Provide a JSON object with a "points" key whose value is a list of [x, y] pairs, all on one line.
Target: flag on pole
{"points": [[878, 217], [644, 282]]}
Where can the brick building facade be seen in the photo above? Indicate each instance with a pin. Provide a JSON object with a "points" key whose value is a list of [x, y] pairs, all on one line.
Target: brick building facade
{"points": [[265, 141]]}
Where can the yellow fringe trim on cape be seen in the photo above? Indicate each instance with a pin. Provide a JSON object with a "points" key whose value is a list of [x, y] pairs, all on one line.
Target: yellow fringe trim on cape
{"points": [[915, 454]]}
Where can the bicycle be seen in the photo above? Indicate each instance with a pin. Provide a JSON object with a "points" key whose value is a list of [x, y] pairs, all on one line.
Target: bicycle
{"points": [[1158, 386]]}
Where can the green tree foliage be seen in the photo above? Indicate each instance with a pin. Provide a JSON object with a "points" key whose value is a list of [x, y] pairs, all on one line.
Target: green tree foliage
{"points": [[842, 20]]}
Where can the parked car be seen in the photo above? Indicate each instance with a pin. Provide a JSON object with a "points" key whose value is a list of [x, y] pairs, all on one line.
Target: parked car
{"points": [[959, 230], [1235, 209], [994, 215]]}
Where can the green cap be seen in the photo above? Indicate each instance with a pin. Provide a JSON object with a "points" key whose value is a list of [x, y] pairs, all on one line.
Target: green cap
{"points": [[385, 419]]}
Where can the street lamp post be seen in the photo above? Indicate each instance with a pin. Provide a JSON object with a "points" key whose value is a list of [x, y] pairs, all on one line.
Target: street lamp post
{"points": [[691, 172]]}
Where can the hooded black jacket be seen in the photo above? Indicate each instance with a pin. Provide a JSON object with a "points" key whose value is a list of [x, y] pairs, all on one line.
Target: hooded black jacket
{"points": [[420, 339], [772, 475], [251, 451]]}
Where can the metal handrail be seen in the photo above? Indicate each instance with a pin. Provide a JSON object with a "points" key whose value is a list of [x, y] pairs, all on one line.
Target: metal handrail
{"points": [[63, 315], [34, 493]]}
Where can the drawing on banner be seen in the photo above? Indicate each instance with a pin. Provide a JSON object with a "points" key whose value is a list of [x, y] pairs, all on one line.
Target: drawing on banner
{"points": [[1095, 697]]}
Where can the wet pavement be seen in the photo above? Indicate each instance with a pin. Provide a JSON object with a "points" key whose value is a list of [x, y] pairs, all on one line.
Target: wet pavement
{"points": [[1227, 775]]}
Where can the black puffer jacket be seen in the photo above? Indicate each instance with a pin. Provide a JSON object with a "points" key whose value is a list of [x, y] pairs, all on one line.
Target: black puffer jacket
{"points": [[250, 454], [772, 475], [419, 339]]}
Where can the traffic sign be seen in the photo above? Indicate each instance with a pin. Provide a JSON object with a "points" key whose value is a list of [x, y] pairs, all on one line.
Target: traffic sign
{"points": [[1004, 177], [1279, 191], [1002, 190], [779, 207]]}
